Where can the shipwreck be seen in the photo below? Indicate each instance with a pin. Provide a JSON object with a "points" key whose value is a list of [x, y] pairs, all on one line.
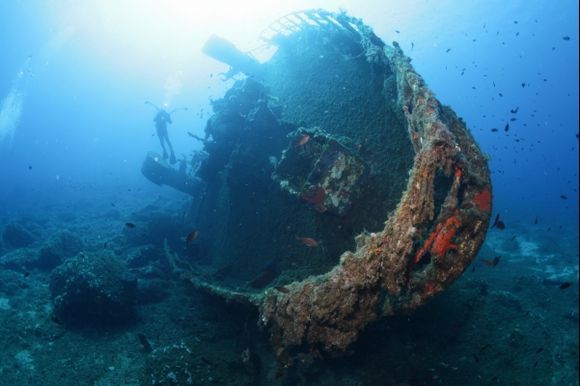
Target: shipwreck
{"points": [[338, 189]]}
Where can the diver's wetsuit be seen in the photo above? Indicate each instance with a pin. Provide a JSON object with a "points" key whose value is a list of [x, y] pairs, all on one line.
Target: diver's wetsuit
{"points": [[162, 118]]}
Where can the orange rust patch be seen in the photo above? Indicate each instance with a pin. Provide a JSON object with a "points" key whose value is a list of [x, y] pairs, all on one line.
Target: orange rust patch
{"points": [[430, 288], [440, 240], [427, 245], [483, 200], [443, 239], [316, 197]]}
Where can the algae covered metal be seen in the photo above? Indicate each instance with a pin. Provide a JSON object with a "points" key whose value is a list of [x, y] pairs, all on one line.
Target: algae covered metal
{"points": [[320, 170], [339, 190]]}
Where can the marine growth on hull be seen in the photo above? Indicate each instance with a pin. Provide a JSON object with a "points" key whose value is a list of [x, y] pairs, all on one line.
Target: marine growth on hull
{"points": [[337, 188], [302, 158]]}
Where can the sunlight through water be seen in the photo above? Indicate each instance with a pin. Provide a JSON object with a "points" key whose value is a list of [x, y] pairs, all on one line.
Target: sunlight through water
{"points": [[11, 105]]}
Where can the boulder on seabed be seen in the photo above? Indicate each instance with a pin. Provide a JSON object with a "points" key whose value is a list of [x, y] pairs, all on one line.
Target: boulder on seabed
{"points": [[93, 289]]}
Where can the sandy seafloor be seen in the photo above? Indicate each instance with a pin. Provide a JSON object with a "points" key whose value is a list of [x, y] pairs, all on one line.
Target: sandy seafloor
{"points": [[510, 324]]}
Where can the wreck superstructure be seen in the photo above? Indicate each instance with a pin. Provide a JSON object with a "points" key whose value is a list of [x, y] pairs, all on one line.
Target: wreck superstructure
{"points": [[339, 190]]}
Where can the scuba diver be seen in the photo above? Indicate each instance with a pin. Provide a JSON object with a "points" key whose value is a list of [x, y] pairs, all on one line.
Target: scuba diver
{"points": [[161, 119]]}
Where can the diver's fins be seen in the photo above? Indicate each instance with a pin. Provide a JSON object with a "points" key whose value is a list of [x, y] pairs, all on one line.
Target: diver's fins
{"points": [[172, 159]]}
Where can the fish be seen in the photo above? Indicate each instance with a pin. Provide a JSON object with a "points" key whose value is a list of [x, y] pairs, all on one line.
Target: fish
{"points": [[563, 197], [565, 285], [491, 262], [308, 241], [130, 225], [282, 289], [536, 221], [145, 342], [515, 111], [566, 37], [303, 140], [191, 236], [494, 130], [572, 316], [507, 127], [29, 167], [539, 350], [498, 223]]}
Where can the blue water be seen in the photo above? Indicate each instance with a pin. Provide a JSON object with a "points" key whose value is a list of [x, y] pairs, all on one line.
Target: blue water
{"points": [[75, 128], [74, 80]]}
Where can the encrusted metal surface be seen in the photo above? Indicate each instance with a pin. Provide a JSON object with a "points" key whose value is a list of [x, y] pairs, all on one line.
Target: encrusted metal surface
{"points": [[428, 239], [320, 170]]}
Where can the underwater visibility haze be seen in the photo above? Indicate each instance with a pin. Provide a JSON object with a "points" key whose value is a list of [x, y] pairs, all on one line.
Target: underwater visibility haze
{"points": [[289, 193]]}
